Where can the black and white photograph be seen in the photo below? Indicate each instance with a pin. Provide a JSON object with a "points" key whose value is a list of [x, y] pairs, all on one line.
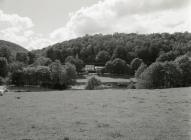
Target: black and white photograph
{"points": [[95, 69]]}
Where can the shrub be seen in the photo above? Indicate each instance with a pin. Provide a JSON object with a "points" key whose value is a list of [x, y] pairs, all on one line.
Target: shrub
{"points": [[93, 83], [131, 85], [140, 70], [135, 63]]}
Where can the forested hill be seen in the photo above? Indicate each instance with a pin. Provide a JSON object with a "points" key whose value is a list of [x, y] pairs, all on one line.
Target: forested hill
{"points": [[12, 47], [147, 47]]}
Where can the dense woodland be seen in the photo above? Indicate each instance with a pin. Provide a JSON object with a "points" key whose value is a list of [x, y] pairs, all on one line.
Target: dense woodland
{"points": [[156, 60]]}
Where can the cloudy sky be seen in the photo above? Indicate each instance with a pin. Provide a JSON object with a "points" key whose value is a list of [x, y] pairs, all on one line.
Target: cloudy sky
{"points": [[35, 24]]}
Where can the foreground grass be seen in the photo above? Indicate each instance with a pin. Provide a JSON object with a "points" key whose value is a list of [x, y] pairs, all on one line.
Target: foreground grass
{"points": [[96, 115]]}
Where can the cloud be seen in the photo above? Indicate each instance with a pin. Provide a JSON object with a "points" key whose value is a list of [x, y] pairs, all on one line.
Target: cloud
{"points": [[143, 16], [19, 29]]}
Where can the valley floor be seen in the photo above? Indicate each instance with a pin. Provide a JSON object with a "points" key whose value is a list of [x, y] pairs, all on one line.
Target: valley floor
{"points": [[96, 115]]}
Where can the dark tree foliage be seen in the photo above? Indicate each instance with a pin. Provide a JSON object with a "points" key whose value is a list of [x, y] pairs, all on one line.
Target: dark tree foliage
{"points": [[184, 62], [55, 76], [119, 45], [140, 70], [160, 75], [78, 63], [18, 78], [15, 66], [135, 63], [169, 56], [119, 66], [5, 52], [22, 57], [109, 66], [31, 57], [42, 61], [102, 57], [3, 67]]}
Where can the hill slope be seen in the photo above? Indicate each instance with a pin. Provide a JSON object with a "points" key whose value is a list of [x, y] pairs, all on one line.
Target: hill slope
{"points": [[14, 48]]}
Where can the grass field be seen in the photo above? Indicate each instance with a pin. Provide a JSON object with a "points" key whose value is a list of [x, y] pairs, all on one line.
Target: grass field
{"points": [[96, 115]]}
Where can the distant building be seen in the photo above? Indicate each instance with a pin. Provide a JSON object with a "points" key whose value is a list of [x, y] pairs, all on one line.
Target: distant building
{"points": [[99, 69], [90, 68]]}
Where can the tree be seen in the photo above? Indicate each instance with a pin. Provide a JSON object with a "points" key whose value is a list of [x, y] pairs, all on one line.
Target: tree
{"points": [[18, 78], [102, 57], [160, 75], [5, 52], [3, 67], [31, 57], [70, 73], [119, 52], [140, 70], [135, 63], [42, 61], [119, 66], [172, 75], [79, 64], [15, 66], [169, 56], [152, 77], [43, 76], [22, 57], [184, 62], [58, 75], [109, 66], [128, 69]]}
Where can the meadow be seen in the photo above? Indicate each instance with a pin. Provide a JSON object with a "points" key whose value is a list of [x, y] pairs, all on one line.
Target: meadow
{"points": [[96, 115]]}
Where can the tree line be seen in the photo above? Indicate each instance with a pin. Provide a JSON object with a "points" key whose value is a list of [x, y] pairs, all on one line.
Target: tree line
{"points": [[139, 55]]}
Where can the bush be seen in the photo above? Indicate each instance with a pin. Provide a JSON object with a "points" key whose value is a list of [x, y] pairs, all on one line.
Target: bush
{"points": [[140, 70], [93, 83], [160, 75], [131, 85]]}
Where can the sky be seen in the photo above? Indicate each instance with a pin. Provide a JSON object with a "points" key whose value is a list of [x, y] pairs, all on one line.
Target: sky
{"points": [[35, 24]]}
